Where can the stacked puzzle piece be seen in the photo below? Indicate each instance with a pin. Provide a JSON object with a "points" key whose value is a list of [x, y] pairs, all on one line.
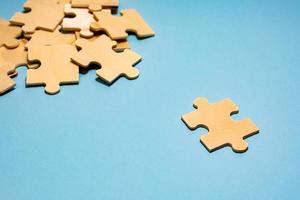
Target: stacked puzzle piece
{"points": [[54, 38]]}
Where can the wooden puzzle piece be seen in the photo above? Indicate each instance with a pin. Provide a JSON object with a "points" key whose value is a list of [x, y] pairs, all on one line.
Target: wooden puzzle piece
{"points": [[10, 59], [113, 64], [9, 34], [118, 26], [41, 37], [223, 131], [39, 15], [96, 5], [56, 67], [81, 22], [120, 47]]}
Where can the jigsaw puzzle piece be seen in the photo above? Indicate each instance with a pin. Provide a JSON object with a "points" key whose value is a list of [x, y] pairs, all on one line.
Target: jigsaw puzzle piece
{"points": [[118, 26], [41, 37], [9, 34], [223, 131], [56, 67], [36, 16], [96, 5], [113, 64], [81, 22]]}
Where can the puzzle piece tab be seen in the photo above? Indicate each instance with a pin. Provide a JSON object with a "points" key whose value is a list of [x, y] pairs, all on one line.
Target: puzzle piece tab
{"points": [[56, 67], [96, 5], [118, 26], [40, 15], [223, 131], [113, 64], [81, 22], [41, 37], [9, 34]]}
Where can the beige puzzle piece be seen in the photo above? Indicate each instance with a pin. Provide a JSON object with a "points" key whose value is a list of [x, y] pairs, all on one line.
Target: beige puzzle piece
{"points": [[113, 64], [81, 22], [96, 5], [39, 15], [222, 130], [9, 34], [41, 37], [10, 59], [120, 47], [56, 67], [118, 26]]}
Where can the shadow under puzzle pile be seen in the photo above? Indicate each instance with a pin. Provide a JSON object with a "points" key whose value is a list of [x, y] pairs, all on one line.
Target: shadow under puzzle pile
{"points": [[54, 38]]}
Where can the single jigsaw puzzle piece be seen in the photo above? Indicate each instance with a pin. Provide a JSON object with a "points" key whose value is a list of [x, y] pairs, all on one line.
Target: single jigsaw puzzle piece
{"points": [[56, 67], [41, 37], [9, 34], [118, 26], [81, 22], [96, 5], [120, 47], [113, 64], [222, 130], [39, 15]]}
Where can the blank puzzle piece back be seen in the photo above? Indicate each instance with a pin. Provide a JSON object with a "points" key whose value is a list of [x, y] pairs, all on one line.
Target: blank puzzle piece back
{"points": [[113, 64], [9, 34], [41, 37], [96, 5], [81, 22], [45, 15], [223, 131], [118, 26], [10, 59], [56, 67]]}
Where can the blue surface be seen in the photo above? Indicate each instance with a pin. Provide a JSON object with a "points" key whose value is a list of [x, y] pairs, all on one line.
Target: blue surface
{"points": [[127, 141]]}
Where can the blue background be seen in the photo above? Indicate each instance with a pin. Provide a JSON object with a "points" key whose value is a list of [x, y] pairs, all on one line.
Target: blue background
{"points": [[127, 141]]}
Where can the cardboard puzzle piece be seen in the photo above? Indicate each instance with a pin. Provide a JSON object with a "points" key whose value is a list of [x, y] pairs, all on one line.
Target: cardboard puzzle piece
{"points": [[9, 34], [10, 59], [120, 47], [56, 67], [81, 22], [222, 130], [96, 5], [118, 26], [41, 37], [39, 15], [113, 64]]}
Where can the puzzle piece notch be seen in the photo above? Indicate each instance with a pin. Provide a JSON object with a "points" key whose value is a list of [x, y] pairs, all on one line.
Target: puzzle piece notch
{"points": [[81, 22], [223, 131], [9, 34], [10, 59], [56, 67], [41, 37], [118, 26], [96, 5], [35, 16], [113, 64]]}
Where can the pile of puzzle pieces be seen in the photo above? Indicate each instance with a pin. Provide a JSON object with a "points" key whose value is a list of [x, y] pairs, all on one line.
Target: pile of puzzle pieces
{"points": [[55, 38]]}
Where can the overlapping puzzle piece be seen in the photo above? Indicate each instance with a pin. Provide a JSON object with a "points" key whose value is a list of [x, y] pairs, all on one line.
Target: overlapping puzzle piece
{"points": [[223, 131], [81, 22], [118, 26], [113, 64], [39, 15], [10, 59], [56, 67], [9, 34], [96, 5]]}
